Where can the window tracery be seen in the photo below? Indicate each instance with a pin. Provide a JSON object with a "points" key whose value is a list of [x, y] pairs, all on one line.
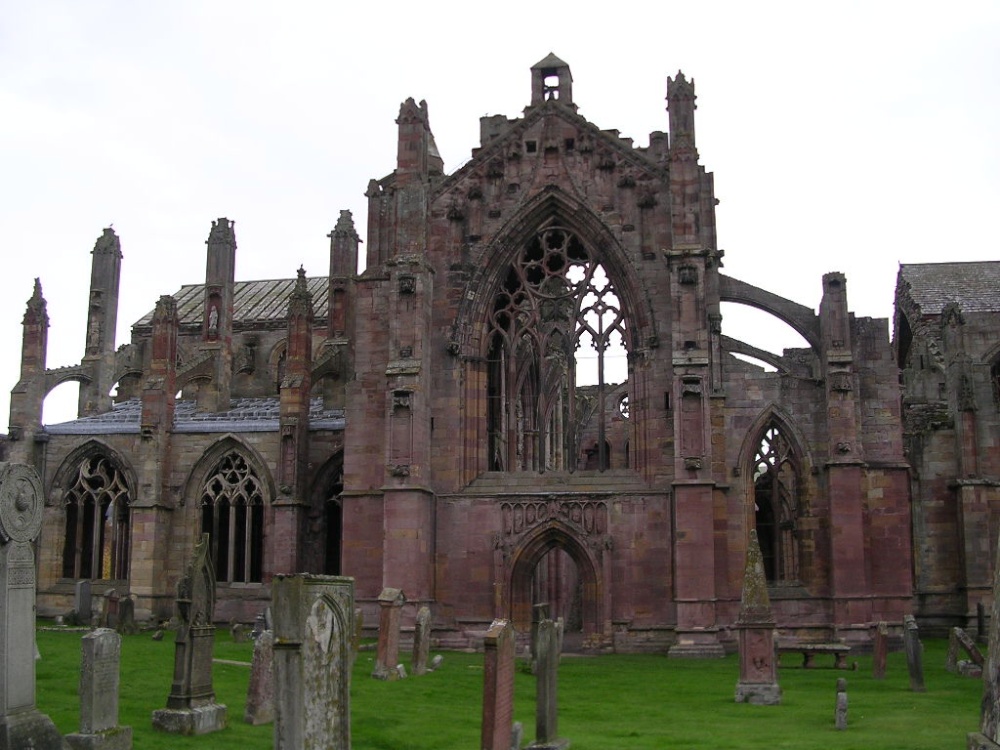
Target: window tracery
{"points": [[554, 319], [776, 505], [97, 522], [232, 503]]}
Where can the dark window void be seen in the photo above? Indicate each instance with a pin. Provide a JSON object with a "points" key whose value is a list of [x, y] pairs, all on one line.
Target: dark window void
{"points": [[775, 476], [97, 523], [232, 514]]}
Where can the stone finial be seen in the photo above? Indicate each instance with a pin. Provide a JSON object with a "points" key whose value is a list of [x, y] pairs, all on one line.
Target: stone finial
{"points": [[108, 243], [223, 232], [345, 224], [36, 310]]}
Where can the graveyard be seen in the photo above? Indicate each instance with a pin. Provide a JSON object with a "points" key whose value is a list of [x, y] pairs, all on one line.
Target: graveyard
{"points": [[626, 702]]}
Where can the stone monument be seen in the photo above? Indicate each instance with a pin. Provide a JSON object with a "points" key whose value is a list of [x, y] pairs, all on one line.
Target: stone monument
{"points": [[260, 691], [914, 653], [988, 736], [83, 605], [99, 680], [758, 683], [840, 712], [22, 725], [421, 642], [313, 627], [880, 650], [191, 706], [548, 639], [390, 603], [498, 686]]}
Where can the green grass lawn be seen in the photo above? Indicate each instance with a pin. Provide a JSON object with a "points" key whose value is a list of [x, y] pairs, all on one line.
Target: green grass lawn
{"points": [[606, 702]]}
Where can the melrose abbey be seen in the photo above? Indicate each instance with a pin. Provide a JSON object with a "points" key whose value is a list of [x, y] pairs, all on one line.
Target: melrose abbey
{"points": [[529, 395]]}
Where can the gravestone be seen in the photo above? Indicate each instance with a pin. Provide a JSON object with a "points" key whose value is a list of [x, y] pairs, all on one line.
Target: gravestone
{"points": [[191, 706], [969, 645], [539, 612], [22, 725], [83, 604], [498, 686], [880, 651], [390, 603], [988, 736], [313, 625], [109, 610], [260, 691], [238, 631], [359, 628], [547, 681], [840, 713], [951, 658], [914, 653], [99, 681], [421, 641], [758, 682], [981, 633], [126, 616]]}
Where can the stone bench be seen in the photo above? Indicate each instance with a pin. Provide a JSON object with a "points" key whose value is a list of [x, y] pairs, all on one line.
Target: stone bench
{"points": [[809, 650]]}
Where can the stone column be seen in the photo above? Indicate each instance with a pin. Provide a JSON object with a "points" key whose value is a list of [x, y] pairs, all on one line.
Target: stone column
{"points": [[758, 683], [390, 612], [313, 625], [99, 681], [22, 725]]}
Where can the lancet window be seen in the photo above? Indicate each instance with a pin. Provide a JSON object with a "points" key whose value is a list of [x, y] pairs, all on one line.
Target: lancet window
{"points": [[554, 325], [995, 380], [776, 506], [232, 505], [97, 522]]}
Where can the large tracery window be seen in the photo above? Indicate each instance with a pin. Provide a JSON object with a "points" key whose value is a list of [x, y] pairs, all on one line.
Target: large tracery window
{"points": [[775, 475], [552, 325], [97, 522], [232, 514]]}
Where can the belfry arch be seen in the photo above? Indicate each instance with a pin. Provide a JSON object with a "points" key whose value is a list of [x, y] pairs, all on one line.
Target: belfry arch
{"points": [[525, 558]]}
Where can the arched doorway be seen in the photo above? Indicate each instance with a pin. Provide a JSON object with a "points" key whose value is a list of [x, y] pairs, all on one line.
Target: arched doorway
{"points": [[553, 567]]}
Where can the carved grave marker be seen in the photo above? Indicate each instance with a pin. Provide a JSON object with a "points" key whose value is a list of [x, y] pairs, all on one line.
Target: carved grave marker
{"points": [[99, 681]]}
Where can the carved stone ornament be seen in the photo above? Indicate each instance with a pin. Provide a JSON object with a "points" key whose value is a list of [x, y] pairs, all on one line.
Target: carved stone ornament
{"points": [[840, 381], [401, 470], [407, 285], [693, 463], [843, 447], [20, 503], [401, 400], [687, 275]]}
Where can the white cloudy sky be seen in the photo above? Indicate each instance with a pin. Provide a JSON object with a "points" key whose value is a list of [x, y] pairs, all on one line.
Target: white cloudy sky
{"points": [[847, 136]]}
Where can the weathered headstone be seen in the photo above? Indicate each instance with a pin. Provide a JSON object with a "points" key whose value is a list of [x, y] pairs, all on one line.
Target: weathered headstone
{"points": [[260, 692], [22, 725], [498, 686], [126, 616], [951, 658], [313, 625], [390, 603], [840, 713], [547, 682], [83, 604], [988, 736], [99, 680], [191, 706], [238, 631], [539, 612], [359, 628], [109, 609], [969, 646], [758, 682], [258, 626], [880, 651], [981, 633], [421, 641], [435, 663], [914, 653]]}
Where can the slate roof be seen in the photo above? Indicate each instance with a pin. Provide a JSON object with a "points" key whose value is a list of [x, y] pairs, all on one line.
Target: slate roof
{"points": [[246, 415], [253, 301], [974, 285]]}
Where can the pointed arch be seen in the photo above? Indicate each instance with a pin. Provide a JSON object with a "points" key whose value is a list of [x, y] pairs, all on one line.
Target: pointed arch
{"points": [[553, 535], [232, 487], [327, 516], [96, 486], [773, 464]]}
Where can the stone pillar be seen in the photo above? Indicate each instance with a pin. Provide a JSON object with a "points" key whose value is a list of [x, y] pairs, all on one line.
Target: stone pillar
{"points": [[758, 681], [390, 612], [313, 625], [547, 680], [988, 736], [421, 641], [102, 317], [914, 653], [260, 692], [99, 681], [880, 651], [27, 396], [191, 706], [217, 320], [498, 686], [22, 725]]}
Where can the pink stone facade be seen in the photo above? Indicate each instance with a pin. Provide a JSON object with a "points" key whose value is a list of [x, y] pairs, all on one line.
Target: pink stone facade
{"points": [[428, 424]]}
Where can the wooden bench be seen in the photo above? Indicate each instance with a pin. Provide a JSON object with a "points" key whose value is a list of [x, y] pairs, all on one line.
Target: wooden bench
{"points": [[809, 650]]}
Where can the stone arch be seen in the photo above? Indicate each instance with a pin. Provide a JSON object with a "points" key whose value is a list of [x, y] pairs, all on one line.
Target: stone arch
{"points": [[214, 453], [71, 463], [325, 516], [802, 319], [555, 534]]}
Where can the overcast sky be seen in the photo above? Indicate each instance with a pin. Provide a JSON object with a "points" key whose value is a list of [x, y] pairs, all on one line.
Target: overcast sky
{"points": [[843, 136]]}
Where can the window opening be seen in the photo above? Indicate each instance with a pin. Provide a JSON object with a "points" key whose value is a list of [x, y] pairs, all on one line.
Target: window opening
{"points": [[232, 505], [995, 380], [775, 476], [557, 334], [97, 523]]}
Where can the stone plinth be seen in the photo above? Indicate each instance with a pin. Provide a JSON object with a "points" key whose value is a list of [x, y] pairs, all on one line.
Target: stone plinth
{"points": [[313, 627]]}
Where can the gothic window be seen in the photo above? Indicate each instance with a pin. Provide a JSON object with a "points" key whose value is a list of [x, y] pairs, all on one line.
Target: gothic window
{"points": [[97, 522], [995, 380], [775, 476], [232, 505], [552, 327]]}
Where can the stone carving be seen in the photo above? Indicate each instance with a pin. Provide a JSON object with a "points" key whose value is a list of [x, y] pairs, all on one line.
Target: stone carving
{"points": [[758, 683], [687, 275], [590, 517], [99, 680], [407, 285], [21, 503]]}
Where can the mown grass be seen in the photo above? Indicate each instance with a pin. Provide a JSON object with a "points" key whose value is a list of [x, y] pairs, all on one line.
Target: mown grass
{"points": [[626, 702]]}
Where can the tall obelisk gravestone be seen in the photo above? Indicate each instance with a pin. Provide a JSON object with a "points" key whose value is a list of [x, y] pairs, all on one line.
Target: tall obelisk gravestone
{"points": [[988, 736], [758, 681], [22, 725]]}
